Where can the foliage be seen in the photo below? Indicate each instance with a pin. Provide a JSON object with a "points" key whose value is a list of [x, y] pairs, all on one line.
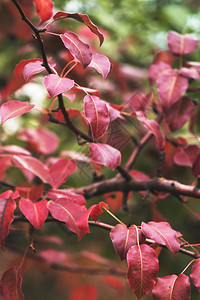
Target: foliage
{"points": [[99, 126]]}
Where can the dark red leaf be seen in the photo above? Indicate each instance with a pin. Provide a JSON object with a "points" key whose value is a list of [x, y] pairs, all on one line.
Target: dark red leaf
{"points": [[195, 275], [181, 43], [42, 140], [124, 238], [196, 166], [142, 269], [179, 113], [36, 212], [59, 171], [84, 292], [56, 85], [105, 155], [162, 233], [138, 102], [97, 114], [7, 207], [83, 19], [100, 63], [10, 285], [78, 49], [32, 193], [33, 165], [44, 9], [172, 287], [13, 108], [186, 156], [170, 87], [67, 211]]}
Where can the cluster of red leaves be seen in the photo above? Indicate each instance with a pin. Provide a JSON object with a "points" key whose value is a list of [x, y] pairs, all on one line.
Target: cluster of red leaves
{"points": [[65, 205]]}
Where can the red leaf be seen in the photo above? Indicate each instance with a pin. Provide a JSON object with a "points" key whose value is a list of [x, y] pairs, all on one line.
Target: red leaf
{"points": [[10, 285], [84, 292], [124, 238], [33, 165], [94, 212], [32, 193], [179, 113], [101, 64], [186, 156], [195, 275], [36, 212], [67, 194], [97, 114], [7, 207], [44, 9], [42, 140], [162, 233], [181, 43], [56, 85], [83, 19], [67, 211], [171, 87], [59, 171], [114, 282], [142, 269], [105, 155], [172, 287], [78, 49], [19, 68], [114, 200], [13, 108]]}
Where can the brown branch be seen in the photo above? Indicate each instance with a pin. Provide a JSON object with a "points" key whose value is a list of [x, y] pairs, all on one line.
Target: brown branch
{"points": [[160, 185]]}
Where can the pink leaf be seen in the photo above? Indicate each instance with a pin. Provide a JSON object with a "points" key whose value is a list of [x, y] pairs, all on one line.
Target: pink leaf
{"points": [[181, 43], [7, 207], [33, 165], [105, 155], [44, 9], [83, 19], [142, 269], [67, 211], [153, 126], [179, 113], [78, 49], [59, 171], [101, 64], [170, 87], [196, 166], [19, 68], [13, 108], [172, 287], [51, 256], [10, 285], [14, 149], [96, 112], [124, 238], [195, 275], [162, 233], [190, 73], [56, 85], [186, 156], [158, 69], [42, 140], [36, 212], [32, 68], [67, 194]]}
